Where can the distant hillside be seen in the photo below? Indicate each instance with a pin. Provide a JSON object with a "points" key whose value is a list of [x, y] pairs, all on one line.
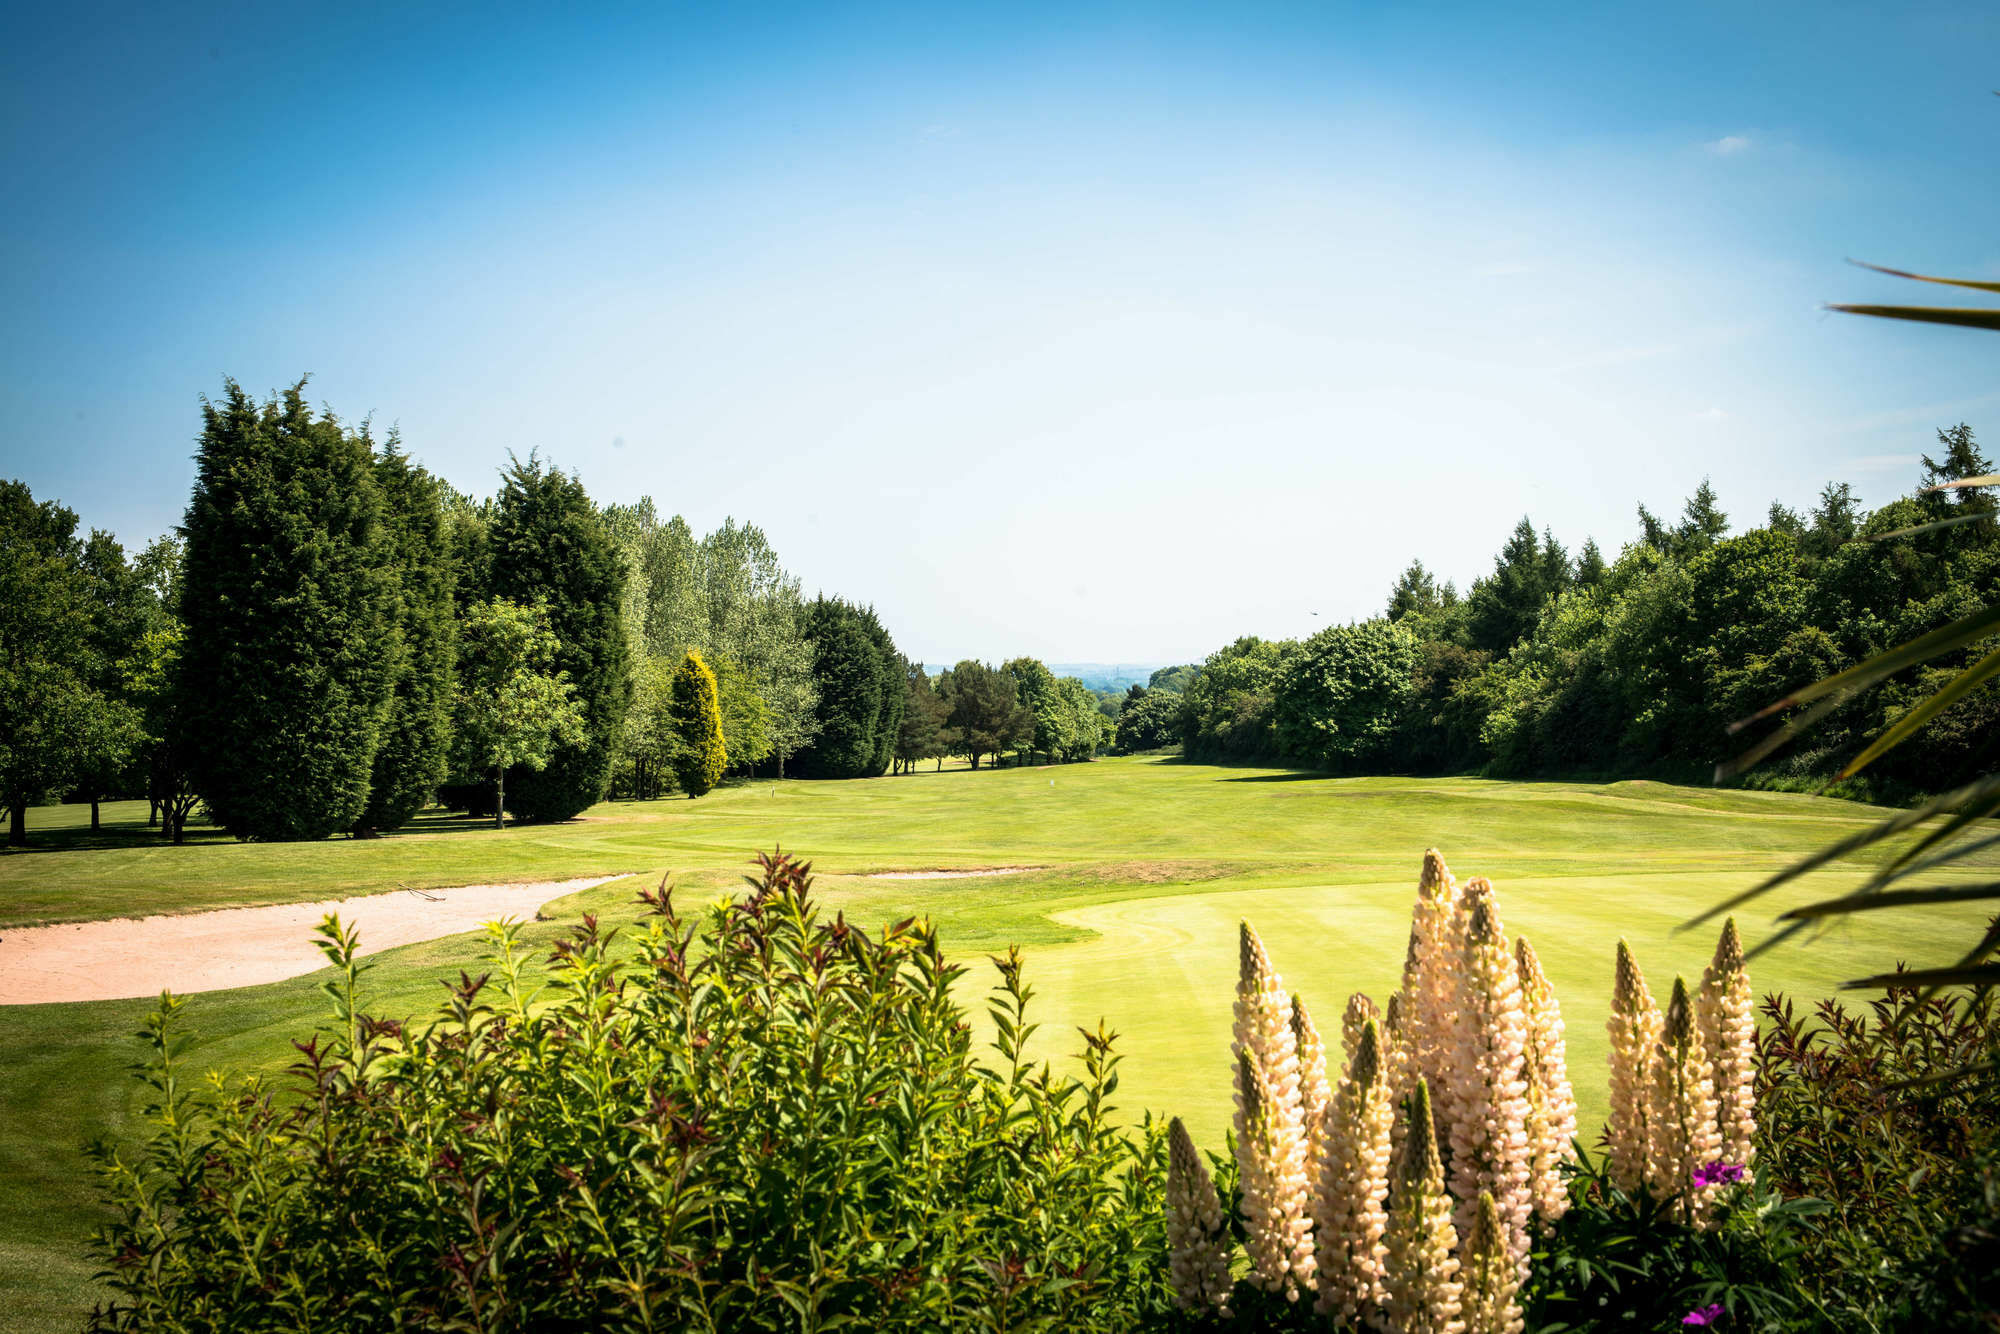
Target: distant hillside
{"points": [[1108, 675]]}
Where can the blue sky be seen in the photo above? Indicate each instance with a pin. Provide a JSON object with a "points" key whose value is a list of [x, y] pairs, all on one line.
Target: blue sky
{"points": [[1095, 332]]}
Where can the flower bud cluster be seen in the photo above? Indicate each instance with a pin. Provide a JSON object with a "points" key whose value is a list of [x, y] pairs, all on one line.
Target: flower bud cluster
{"points": [[1551, 1101], [1420, 1275], [1634, 1028], [1684, 1134], [1729, 1034], [1351, 1193], [1488, 1073], [1270, 1129], [1198, 1245]]}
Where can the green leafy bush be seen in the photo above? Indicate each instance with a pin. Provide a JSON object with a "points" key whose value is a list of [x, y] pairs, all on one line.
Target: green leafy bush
{"points": [[762, 1120], [1890, 1119]]}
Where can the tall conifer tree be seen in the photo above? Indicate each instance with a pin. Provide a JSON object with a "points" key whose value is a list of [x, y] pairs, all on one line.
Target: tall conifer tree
{"points": [[700, 758], [416, 741], [288, 601], [546, 540]]}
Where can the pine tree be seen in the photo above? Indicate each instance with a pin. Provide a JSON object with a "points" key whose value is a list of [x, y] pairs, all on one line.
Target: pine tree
{"points": [[1590, 570], [1961, 458], [859, 679], [700, 757], [288, 602], [1703, 523], [548, 542], [416, 741], [1415, 594]]}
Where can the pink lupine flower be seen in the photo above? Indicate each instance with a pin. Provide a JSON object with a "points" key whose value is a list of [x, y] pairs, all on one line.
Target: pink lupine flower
{"points": [[1489, 1279], [1684, 1134], [1349, 1214]]}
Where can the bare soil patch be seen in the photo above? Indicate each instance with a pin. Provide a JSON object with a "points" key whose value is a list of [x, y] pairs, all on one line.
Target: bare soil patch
{"points": [[241, 947]]}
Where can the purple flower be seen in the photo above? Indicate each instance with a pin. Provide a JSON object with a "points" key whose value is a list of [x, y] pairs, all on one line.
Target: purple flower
{"points": [[1716, 1173], [1704, 1315]]}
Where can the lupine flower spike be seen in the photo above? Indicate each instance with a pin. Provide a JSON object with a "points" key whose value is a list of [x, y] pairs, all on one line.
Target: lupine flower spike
{"points": [[1490, 1278], [1683, 1116], [1489, 1135], [1270, 1136], [1551, 1101], [1729, 1034], [1420, 1283], [1198, 1244], [1634, 1027], [1349, 1212], [1431, 975], [1314, 1091]]}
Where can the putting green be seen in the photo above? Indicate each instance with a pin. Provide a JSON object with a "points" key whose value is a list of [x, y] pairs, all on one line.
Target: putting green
{"points": [[1142, 870]]}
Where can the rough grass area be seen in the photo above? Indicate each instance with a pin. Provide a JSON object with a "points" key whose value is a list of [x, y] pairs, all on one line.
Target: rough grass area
{"points": [[1146, 866]]}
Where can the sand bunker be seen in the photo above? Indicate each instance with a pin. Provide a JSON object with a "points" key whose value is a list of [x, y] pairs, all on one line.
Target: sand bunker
{"points": [[950, 875], [241, 947]]}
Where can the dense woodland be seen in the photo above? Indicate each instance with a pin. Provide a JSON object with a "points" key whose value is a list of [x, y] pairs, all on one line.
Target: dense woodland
{"points": [[1560, 664], [334, 639]]}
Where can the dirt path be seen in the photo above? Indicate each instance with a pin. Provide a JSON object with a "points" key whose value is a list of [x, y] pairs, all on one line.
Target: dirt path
{"points": [[241, 947]]}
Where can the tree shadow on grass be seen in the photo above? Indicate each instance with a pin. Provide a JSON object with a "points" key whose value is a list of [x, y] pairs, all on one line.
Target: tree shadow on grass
{"points": [[127, 835]]}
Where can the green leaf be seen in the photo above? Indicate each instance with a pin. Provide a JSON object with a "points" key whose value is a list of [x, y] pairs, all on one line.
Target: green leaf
{"points": [[1964, 317], [1895, 898], [1977, 285], [1978, 975], [1914, 529]]}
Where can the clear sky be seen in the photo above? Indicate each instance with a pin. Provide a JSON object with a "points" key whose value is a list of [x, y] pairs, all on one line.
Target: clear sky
{"points": [[1093, 332]]}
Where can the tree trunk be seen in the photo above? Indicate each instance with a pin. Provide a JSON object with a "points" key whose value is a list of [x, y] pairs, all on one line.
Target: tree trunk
{"points": [[17, 824], [93, 816], [152, 810], [940, 767], [499, 796]]}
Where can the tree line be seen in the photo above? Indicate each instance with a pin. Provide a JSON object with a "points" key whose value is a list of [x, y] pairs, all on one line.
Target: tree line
{"points": [[1568, 664], [334, 638]]}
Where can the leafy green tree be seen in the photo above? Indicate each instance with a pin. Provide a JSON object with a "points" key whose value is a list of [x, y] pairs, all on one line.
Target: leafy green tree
{"points": [[701, 756], [1341, 696], [1226, 712], [859, 680], [548, 542], [1152, 721], [746, 718], [1084, 728], [162, 693], [923, 733], [1175, 679], [112, 760], [513, 705], [1035, 686], [983, 710], [416, 737], [649, 740], [55, 720], [289, 603]]}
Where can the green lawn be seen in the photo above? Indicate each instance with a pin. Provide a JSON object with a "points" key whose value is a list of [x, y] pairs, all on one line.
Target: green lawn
{"points": [[1148, 865]]}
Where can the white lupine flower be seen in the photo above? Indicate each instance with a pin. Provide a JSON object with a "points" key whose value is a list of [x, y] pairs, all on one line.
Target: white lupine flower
{"points": [[1551, 1100], [1314, 1091], [1489, 1135], [1270, 1135], [1634, 1028], [1488, 1277], [1349, 1201], [1729, 1035], [1198, 1245], [1420, 1277], [1431, 985], [1684, 1135]]}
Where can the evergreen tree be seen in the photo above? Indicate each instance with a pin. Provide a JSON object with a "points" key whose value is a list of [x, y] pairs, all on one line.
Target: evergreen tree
{"points": [[922, 735], [1506, 604], [1590, 568], [701, 756], [548, 542], [848, 676], [1960, 459], [983, 710], [1702, 524], [288, 601], [1557, 571], [1652, 532], [1415, 594], [416, 740]]}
